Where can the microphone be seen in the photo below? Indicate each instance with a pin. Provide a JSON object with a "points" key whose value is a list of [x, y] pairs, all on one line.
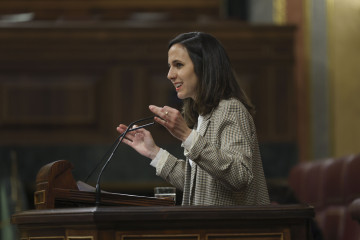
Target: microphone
{"points": [[118, 140]]}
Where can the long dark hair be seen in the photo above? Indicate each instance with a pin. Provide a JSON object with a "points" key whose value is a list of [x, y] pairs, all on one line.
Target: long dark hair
{"points": [[217, 80]]}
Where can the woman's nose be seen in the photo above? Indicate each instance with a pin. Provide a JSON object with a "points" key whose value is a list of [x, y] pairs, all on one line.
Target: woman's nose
{"points": [[171, 74]]}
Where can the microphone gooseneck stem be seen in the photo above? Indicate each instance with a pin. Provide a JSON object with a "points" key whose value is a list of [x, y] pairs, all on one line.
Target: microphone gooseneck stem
{"points": [[115, 142], [97, 188], [121, 137]]}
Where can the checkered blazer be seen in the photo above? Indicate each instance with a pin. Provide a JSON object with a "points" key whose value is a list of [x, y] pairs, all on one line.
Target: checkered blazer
{"points": [[227, 167]]}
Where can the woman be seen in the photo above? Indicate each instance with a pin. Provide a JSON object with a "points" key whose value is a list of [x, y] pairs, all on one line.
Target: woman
{"points": [[223, 164]]}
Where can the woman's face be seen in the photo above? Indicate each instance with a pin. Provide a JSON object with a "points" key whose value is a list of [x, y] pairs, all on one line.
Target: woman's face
{"points": [[181, 72]]}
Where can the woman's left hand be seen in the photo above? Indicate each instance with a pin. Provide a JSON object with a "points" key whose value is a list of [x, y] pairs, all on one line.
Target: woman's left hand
{"points": [[140, 140], [172, 120]]}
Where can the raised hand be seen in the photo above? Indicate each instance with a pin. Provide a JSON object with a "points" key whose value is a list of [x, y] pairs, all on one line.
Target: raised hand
{"points": [[172, 120], [140, 140]]}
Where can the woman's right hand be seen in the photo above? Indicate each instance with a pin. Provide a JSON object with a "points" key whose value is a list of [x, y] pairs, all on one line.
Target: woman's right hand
{"points": [[140, 140]]}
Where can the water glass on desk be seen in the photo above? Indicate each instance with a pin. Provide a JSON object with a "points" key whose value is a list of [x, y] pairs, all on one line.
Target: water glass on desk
{"points": [[165, 192]]}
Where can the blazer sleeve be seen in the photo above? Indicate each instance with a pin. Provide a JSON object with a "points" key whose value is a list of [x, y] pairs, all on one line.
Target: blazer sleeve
{"points": [[173, 171]]}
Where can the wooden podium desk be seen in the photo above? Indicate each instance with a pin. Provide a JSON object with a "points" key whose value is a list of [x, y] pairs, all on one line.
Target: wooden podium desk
{"points": [[273, 222], [354, 209]]}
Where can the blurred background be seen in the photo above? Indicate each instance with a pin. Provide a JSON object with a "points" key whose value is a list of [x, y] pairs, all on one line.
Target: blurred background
{"points": [[71, 71]]}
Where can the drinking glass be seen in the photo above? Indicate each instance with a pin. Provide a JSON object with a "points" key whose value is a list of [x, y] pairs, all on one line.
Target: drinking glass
{"points": [[165, 192]]}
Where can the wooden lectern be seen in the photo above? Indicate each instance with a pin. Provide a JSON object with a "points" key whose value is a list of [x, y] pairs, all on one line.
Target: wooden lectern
{"points": [[354, 209], [56, 187], [126, 217], [139, 218], [272, 222]]}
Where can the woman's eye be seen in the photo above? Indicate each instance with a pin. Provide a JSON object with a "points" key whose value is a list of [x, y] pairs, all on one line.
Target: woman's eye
{"points": [[178, 65]]}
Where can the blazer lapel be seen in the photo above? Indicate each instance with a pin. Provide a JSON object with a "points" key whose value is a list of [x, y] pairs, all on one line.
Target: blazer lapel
{"points": [[193, 170], [202, 131], [205, 124], [187, 185]]}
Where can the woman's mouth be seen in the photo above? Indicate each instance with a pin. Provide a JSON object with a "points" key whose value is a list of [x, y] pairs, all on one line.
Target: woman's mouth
{"points": [[178, 86]]}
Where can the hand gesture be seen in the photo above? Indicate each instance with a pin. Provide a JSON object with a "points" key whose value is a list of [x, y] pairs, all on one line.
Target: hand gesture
{"points": [[172, 120], [140, 140]]}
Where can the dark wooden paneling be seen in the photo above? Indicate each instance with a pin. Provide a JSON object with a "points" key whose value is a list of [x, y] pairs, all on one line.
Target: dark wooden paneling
{"points": [[74, 82], [61, 101]]}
